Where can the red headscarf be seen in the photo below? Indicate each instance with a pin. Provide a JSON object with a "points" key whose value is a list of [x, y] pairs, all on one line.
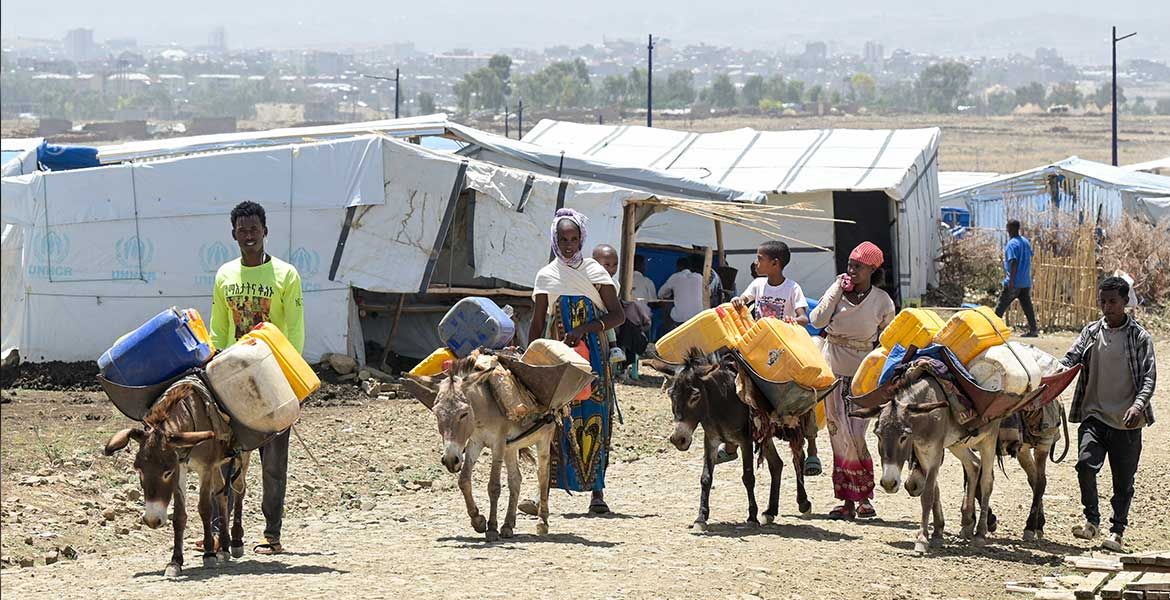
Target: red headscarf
{"points": [[867, 253]]}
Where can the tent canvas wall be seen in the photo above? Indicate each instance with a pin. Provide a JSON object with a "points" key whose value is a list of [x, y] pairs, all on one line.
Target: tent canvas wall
{"points": [[822, 169], [1074, 186]]}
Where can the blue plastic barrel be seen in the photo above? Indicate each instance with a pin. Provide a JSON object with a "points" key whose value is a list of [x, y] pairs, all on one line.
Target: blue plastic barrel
{"points": [[813, 331], [475, 323], [160, 349]]}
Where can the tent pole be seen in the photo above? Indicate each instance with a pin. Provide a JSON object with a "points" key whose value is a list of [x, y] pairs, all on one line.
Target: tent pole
{"points": [[393, 330], [719, 244], [707, 277], [629, 247]]}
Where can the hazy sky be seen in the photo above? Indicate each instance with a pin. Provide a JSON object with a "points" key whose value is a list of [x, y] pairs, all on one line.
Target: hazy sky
{"points": [[1077, 28]]}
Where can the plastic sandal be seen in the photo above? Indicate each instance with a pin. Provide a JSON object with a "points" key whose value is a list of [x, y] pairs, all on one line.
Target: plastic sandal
{"points": [[841, 513], [268, 548]]}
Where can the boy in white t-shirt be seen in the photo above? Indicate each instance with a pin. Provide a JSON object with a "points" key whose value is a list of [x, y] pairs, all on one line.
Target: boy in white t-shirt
{"points": [[774, 295]]}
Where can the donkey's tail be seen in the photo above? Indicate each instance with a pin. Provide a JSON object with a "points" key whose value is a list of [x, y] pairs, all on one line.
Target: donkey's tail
{"points": [[1064, 424], [527, 456]]}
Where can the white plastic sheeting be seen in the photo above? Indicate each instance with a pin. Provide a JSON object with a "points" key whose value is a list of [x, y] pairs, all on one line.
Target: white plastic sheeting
{"points": [[1082, 187], [421, 125], [786, 166], [106, 248], [20, 155], [774, 162]]}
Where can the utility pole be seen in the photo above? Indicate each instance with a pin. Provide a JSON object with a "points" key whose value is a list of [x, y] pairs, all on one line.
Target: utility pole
{"points": [[396, 86], [650, 80], [520, 119], [1115, 40]]}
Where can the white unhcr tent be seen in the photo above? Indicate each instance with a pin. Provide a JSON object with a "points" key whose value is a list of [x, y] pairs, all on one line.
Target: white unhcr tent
{"points": [[885, 180], [90, 254]]}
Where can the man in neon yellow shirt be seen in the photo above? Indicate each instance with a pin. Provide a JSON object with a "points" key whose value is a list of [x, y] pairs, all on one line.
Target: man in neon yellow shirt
{"points": [[250, 290]]}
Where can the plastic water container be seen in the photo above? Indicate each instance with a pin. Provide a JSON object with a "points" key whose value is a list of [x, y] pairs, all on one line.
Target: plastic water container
{"points": [[813, 331], [474, 323], [912, 327], [969, 333], [870, 371], [433, 364], [195, 322], [711, 330], [249, 381], [737, 322], [296, 370], [784, 352], [1008, 367], [160, 349]]}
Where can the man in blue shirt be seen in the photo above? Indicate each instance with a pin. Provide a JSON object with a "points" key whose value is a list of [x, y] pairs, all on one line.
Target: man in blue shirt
{"points": [[1017, 261]]}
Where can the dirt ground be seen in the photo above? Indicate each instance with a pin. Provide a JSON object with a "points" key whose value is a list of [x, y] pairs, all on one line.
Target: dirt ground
{"points": [[379, 517]]}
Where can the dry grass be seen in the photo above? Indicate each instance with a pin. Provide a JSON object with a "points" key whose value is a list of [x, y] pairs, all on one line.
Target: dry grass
{"points": [[969, 270], [1143, 251]]}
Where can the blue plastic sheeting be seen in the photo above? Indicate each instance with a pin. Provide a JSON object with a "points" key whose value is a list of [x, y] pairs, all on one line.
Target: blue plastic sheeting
{"points": [[64, 158], [934, 351], [956, 217]]}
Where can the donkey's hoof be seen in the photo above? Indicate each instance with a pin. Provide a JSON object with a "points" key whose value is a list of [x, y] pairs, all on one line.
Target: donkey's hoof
{"points": [[210, 561], [978, 541], [223, 557], [542, 529], [967, 533], [805, 507], [699, 525], [920, 548], [769, 519], [506, 532], [173, 571], [492, 535], [238, 551], [479, 523], [1029, 535]]}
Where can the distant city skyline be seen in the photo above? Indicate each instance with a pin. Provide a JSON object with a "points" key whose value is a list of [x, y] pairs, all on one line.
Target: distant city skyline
{"points": [[1077, 29]]}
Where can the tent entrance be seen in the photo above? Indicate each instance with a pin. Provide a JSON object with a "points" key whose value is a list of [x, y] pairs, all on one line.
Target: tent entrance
{"points": [[873, 213]]}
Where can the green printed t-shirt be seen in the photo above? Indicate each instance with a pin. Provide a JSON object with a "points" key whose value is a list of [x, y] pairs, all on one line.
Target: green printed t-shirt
{"points": [[247, 296]]}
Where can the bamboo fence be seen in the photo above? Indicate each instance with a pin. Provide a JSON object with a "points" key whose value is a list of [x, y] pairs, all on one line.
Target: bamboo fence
{"points": [[1064, 277]]}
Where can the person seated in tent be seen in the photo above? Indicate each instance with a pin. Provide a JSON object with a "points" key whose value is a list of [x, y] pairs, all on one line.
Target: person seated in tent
{"points": [[686, 288], [253, 289]]}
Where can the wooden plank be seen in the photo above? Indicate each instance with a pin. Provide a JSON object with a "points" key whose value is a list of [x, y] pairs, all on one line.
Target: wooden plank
{"points": [[1055, 595], [1151, 595], [1161, 559], [1113, 589], [1087, 589], [1089, 563], [1020, 588], [1154, 582], [707, 274]]}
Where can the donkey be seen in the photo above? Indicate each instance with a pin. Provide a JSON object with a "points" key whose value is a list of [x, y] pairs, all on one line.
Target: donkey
{"points": [[180, 431], [916, 427], [1041, 432], [702, 392], [469, 419]]}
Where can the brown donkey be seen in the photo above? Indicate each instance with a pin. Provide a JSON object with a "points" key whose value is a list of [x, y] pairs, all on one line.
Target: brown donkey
{"points": [[180, 431]]}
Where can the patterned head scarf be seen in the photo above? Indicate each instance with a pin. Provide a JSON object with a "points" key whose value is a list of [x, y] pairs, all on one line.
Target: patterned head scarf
{"points": [[578, 219], [868, 254]]}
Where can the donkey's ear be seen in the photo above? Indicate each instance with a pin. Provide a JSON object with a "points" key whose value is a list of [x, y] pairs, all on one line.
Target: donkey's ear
{"points": [[122, 439], [478, 377], [187, 439], [927, 407]]}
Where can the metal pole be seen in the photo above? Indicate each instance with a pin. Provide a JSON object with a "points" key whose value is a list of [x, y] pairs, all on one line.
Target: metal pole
{"points": [[1114, 111], [506, 120], [396, 88], [650, 80], [520, 120]]}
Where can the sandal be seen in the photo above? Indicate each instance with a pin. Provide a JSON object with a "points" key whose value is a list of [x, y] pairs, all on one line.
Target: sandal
{"points": [[812, 466], [841, 513], [199, 544], [724, 456], [268, 548], [866, 511]]}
